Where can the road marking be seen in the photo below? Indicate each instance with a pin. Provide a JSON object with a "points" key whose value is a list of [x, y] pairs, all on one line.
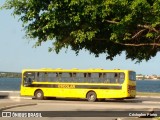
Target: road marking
{"points": [[153, 102]]}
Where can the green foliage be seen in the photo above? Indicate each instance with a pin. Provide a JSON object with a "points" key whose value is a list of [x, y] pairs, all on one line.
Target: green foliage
{"points": [[99, 26]]}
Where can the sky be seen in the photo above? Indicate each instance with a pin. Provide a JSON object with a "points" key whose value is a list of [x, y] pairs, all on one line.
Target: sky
{"points": [[17, 53]]}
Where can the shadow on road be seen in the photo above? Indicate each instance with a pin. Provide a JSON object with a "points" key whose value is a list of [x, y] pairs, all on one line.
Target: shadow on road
{"points": [[104, 100]]}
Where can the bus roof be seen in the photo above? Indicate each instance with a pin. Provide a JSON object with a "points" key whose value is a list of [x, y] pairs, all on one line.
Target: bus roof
{"points": [[75, 70]]}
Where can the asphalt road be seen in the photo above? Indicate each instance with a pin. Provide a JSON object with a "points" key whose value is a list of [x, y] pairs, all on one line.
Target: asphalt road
{"points": [[144, 104], [71, 105]]}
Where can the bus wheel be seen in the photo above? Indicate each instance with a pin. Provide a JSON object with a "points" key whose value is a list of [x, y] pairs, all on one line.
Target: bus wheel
{"points": [[39, 95], [91, 97]]}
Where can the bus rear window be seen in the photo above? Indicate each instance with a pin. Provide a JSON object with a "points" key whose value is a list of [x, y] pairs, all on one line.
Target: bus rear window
{"points": [[132, 76]]}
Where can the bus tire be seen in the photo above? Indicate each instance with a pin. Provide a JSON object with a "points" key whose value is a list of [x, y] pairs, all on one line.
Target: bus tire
{"points": [[91, 96], [39, 95]]}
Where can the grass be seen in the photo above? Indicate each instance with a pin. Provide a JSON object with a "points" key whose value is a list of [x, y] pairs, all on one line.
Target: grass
{"points": [[148, 94]]}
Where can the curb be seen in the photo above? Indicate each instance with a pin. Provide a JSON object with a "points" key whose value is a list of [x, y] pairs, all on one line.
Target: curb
{"points": [[19, 97], [17, 105], [148, 96], [153, 102]]}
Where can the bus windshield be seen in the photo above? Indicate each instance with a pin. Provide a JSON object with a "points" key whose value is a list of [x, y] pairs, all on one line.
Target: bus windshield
{"points": [[28, 78], [132, 76]]}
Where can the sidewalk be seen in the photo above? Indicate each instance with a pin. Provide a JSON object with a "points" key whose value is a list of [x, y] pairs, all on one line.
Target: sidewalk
{"points": [[15, 95], [9, 93], [12, 104], [12, 95]]}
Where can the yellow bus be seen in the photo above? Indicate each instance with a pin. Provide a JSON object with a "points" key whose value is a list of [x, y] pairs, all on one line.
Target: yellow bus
{"points": [[90, 84]]}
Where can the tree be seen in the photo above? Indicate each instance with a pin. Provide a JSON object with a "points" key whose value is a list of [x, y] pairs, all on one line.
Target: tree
{"points": [[99, 26]]}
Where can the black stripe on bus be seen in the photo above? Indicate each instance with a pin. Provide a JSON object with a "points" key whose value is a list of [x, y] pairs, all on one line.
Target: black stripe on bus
{"points": [[77, 86], [98, 87]]}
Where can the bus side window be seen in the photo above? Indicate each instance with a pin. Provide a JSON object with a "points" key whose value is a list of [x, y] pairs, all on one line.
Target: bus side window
{"points": [[89, 75], [119, 77], [85, 75], [66, 77], [116, 76], [41, 77], [106, 77], [85, 79], [80, 77], [45, 77], [74, 77], [95, 78], [100, 77], [59, 77], [89, 79], [52, 77], [122, 77], [37, 77], [109, 78], [112, 77]]}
